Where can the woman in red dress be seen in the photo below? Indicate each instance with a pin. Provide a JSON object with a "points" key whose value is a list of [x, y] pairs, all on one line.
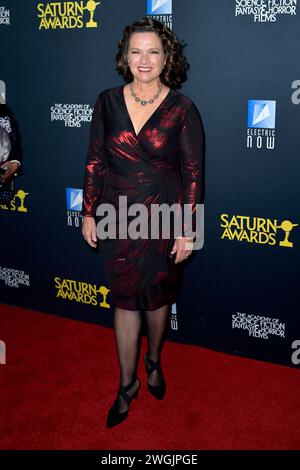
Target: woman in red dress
{"points": [[146, 143]]}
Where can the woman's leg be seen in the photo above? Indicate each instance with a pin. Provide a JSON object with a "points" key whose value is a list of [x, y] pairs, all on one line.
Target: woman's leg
{"points": [[127, 330], [157, 321]]}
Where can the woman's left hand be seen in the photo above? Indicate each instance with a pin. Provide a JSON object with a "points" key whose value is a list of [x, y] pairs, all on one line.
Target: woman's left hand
{"points": [[182, 248]]}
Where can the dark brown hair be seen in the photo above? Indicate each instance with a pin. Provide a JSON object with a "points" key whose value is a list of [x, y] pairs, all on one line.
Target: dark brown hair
{"points": [[174, 72]]}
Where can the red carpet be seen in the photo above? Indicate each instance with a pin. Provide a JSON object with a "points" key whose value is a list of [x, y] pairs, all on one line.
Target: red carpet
{"points": [[61, 377]]}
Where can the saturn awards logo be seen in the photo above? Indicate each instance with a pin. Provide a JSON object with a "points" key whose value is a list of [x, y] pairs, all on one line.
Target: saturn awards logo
{"points": [[67, 15], [261, 124], [257, 230], [160, 10], [17, 204], [81, 292]]}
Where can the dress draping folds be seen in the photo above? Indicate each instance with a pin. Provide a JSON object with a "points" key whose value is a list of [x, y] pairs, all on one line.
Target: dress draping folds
{"points": [[163, 163]]}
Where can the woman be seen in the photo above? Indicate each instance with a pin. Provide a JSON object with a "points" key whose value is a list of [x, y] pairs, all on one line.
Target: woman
{"points": [[146, 143]]}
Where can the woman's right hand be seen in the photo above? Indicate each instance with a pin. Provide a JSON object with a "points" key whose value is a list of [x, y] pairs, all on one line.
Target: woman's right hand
{"points": [[89, 231]]}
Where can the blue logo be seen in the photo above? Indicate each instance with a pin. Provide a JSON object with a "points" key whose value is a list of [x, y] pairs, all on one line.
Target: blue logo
{"points": [[261, 114], [74, 199], [159, 7]]}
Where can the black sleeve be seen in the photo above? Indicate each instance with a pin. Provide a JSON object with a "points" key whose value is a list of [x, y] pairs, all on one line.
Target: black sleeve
{"points": [[96, 165], [192, 158]]}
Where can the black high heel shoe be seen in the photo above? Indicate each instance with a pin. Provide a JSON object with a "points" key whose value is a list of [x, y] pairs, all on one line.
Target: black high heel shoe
{"points": [[115, 416], [157, 391]]}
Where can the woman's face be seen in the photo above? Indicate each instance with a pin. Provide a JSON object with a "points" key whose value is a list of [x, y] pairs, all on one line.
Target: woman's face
{"points": [[146, 57]]}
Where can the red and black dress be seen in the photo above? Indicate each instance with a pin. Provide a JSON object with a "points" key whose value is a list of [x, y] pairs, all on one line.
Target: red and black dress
{"points": [[162, 164]]}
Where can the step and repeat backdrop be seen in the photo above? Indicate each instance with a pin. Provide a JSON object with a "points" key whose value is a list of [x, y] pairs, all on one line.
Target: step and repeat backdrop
{"points": [[240, 291]]}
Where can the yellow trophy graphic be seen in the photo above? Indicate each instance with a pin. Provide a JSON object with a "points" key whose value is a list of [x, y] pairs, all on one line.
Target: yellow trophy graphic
{"points": [[287, 227], [104, 291], [21, 195], [91, 7]]}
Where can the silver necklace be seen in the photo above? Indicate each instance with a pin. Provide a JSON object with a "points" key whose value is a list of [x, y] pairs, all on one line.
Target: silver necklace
{"points": [[143, 102]]}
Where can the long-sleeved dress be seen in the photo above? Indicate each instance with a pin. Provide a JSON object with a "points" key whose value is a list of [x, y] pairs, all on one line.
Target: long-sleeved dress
{"points": [[161, 164]]}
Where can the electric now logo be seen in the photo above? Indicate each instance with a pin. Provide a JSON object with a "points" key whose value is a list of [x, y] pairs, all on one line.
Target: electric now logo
{"points": [[160, 10], [261, 114], [159, 7], [261, 124], [74, 199], [74, 206]]}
